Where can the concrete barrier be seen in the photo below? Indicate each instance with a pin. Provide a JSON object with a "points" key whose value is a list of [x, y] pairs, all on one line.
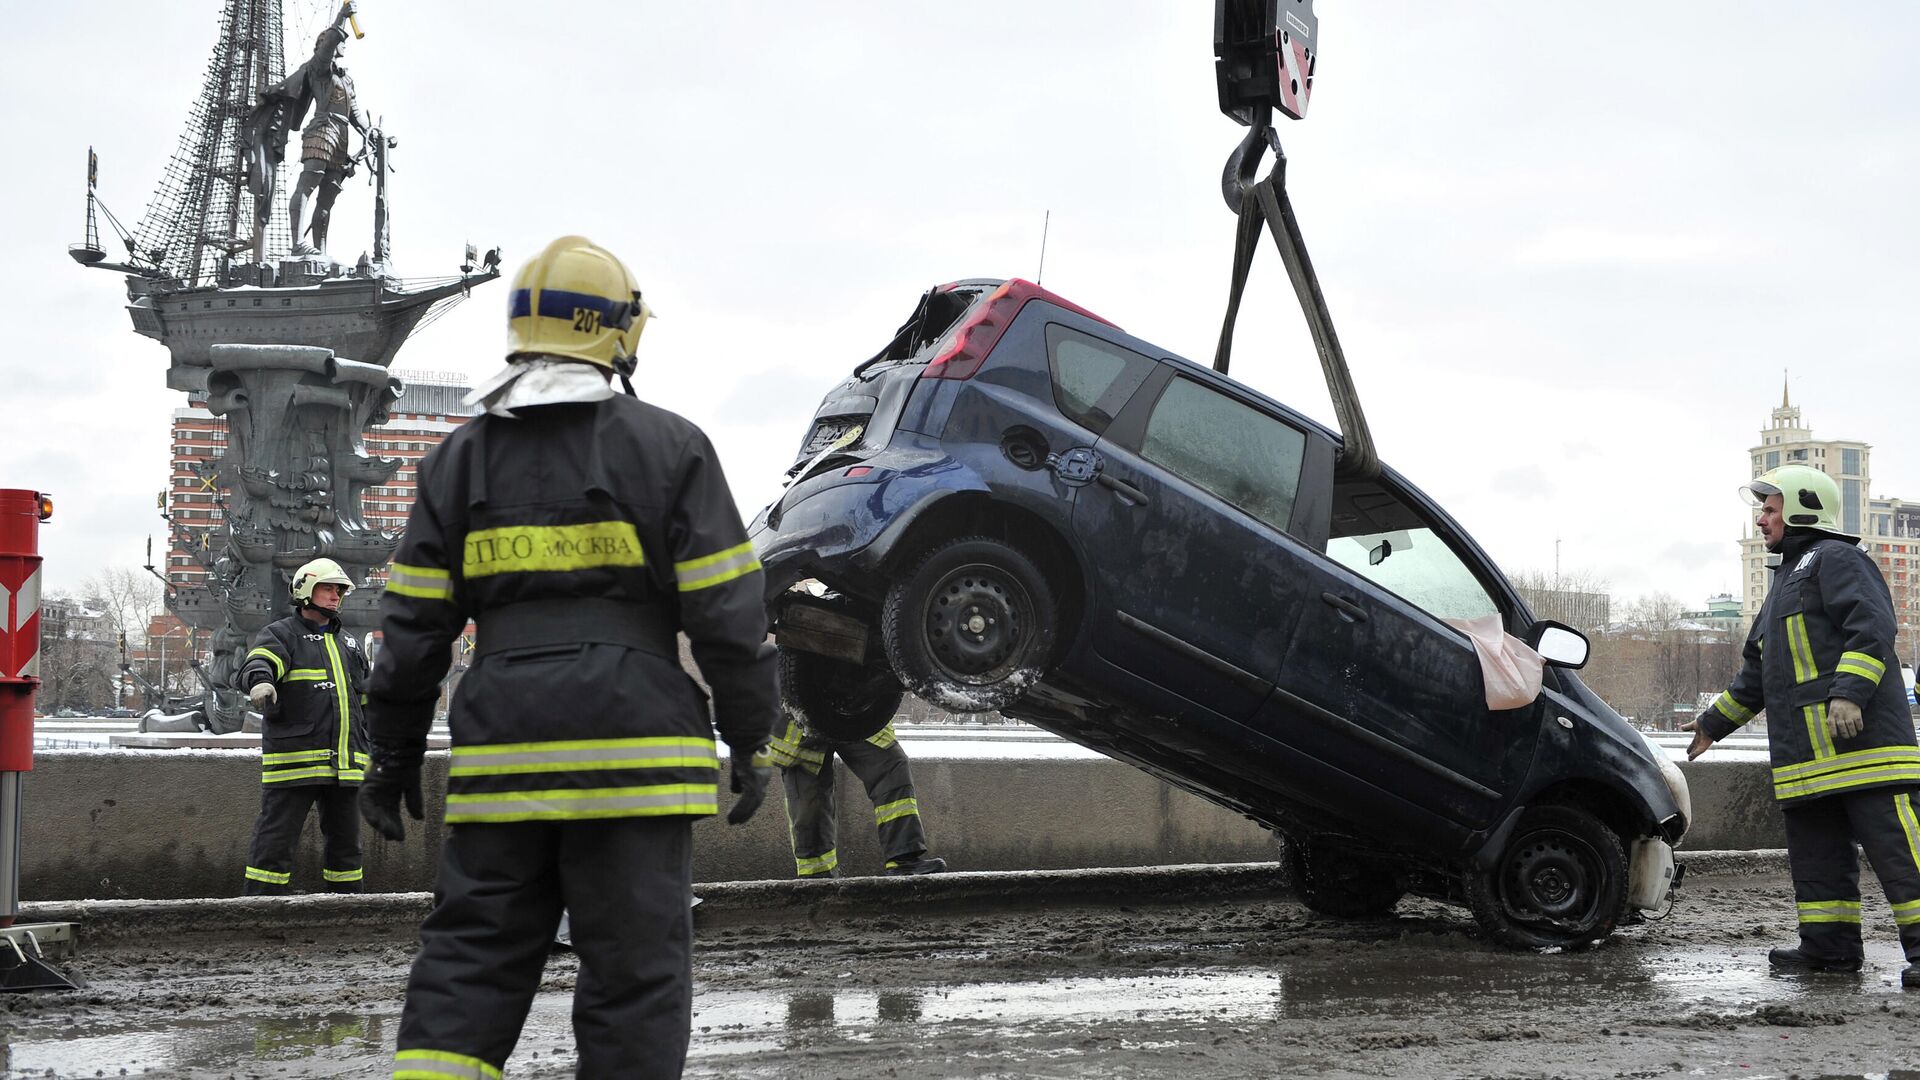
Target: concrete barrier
{"points": [[1733, 806], [169, 824]]}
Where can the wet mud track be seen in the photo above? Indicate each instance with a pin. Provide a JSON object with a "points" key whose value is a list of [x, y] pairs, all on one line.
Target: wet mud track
{"points": [[1221, 986]]}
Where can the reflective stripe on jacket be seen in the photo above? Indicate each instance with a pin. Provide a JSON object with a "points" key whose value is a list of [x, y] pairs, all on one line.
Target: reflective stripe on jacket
{"points": [[1827, 631], [314, 733], [579, 537]]}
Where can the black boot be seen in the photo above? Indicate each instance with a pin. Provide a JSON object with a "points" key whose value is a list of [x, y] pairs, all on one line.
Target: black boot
{"points": [[1910, 978], [914, 867], [1797, 961]]}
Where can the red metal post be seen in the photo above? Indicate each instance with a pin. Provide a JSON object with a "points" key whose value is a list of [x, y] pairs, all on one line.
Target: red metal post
{"points": [[21, 513], [20, 516]]}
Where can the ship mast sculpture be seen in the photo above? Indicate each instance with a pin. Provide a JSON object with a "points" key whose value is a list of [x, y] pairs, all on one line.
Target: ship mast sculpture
{"points": [[293, 351]]}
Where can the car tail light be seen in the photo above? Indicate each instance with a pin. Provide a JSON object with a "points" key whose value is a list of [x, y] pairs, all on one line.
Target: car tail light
{"points": [[969, 342], [860, 470]]}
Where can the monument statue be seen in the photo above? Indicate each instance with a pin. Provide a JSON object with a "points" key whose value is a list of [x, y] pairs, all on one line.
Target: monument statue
{"points": [[293, 351], [320, 85]]}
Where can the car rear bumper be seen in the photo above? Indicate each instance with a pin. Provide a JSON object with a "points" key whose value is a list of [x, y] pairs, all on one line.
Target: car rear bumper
{"points": [[839, 527]]}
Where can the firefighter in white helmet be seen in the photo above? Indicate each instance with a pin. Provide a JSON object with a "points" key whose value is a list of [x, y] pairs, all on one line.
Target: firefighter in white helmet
{"points": [[306, 677], [582, 530], [1845, 766]]}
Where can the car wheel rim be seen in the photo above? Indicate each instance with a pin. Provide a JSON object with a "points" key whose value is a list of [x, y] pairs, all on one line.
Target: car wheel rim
{"points": [[976, 621], [1553, 878]]}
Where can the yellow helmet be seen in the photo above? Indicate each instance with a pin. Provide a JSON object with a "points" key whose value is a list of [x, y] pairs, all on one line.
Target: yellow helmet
{"points": [[319, 572], [1808, 497], [576, 301]]}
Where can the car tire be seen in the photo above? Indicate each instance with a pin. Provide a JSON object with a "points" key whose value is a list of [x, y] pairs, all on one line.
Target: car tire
{"points": [[838, 699], [1561, 882], [971, 626], [1340, 883]]}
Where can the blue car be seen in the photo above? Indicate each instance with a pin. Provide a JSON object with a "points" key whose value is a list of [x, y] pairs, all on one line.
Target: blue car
{"points": [[1017, 506]]}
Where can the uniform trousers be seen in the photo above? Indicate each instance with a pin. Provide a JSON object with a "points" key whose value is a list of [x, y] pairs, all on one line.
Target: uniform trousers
{"points": [[627, 884], [1821, 833], [812, 813], [283, 813]]}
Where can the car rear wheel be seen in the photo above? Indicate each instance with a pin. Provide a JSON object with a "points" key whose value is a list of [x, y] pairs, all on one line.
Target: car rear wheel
{"points": [[971, 626], [1562, 881], [835, 698], [1335, 881]]}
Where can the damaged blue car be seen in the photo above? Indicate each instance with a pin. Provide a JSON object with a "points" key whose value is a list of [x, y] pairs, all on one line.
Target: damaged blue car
{"points": [[1017, 506]]}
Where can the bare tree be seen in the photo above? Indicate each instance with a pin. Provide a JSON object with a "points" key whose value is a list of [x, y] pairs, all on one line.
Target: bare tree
{"points": [[1654, 613], [130, 597], [76, 665], [1680, 659], [1579, 598]]}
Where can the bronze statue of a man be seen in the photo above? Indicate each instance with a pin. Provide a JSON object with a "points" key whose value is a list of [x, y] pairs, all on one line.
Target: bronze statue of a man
{"points": [[323, 84], [324, 163]]}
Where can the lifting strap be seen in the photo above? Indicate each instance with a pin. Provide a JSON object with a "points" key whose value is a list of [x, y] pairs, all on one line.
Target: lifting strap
{"points": [[1266, 201]]}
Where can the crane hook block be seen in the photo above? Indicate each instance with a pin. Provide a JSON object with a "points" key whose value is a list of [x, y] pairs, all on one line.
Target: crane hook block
{"points": [[1264, 54]]}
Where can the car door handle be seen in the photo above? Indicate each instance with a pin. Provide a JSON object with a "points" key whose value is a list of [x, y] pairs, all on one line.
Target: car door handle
{"points": [[1348, 610], [1121, 488]]}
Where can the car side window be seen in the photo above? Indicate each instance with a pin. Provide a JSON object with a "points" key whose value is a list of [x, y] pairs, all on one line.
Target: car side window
{"points": [[1233, 450], [1092, 379], [1418, 566]]}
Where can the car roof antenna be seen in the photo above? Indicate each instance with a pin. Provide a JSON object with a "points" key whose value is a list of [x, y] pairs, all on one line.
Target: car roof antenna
{"points": [[1264, 58]]}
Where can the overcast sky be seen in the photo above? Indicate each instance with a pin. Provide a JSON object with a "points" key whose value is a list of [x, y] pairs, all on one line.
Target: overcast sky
{"points": [[1570, 249]]}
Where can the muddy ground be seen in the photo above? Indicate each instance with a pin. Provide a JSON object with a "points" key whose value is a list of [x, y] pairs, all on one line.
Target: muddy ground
{"points": [[1230, 982]]}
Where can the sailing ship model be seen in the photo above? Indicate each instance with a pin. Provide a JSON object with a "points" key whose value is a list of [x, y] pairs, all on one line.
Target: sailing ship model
{"points": [[291, 348]]}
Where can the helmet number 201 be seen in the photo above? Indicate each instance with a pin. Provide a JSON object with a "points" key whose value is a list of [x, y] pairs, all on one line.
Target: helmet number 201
{"points": [[586, 320]]}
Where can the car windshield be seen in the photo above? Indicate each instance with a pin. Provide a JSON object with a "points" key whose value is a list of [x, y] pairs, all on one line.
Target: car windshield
{"points": [[1387, 542]]}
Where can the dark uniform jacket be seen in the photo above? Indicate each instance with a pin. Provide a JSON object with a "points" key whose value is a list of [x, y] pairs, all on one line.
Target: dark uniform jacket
{"points": [[580, 537], [1827, 631], [314, 733]]}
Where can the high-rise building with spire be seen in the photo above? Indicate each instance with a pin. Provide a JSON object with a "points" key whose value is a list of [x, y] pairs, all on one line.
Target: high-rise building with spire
{"points": [[1889, 528]]}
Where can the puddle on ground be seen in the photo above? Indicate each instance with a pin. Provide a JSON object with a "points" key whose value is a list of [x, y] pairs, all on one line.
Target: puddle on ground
{"points": [[729, 1021], [201, 1044], [742, 1021], [725, 1022]]}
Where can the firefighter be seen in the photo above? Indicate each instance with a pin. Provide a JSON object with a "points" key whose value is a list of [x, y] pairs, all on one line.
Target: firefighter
{"points": [[1845, 764], [305, 677], [581, 530], [805, 758]]}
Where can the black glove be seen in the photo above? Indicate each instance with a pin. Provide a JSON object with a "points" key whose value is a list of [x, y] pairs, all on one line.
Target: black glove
{"points": [[393, 775], [752, 769]]}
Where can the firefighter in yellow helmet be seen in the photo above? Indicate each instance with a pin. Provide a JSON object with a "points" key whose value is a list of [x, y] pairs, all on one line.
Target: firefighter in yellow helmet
{"points": [[305, 676], [1845, 764], [581, 530]]}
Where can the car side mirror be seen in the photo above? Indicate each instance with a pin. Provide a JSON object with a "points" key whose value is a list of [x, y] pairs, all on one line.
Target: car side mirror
{"points": [[1380, 552], [1559, 644]]}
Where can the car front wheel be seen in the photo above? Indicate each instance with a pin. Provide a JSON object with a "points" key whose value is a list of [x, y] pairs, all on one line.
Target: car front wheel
{"points": [[1562, 881], [971, 626]]}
